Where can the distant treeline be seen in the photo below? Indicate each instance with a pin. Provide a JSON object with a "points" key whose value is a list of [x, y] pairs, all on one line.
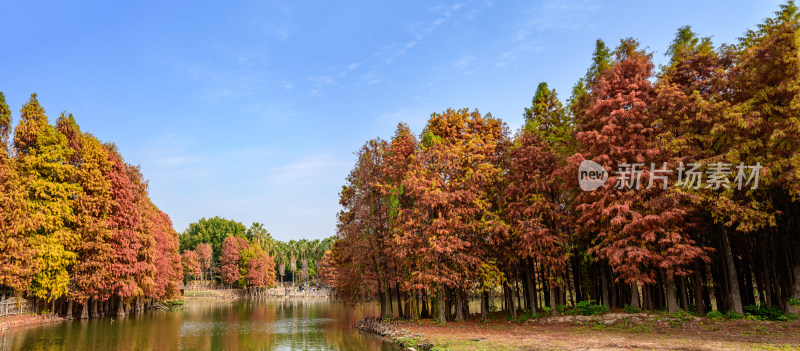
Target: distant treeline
{"points": [[77, 228], [465, 208], [224, 251]]}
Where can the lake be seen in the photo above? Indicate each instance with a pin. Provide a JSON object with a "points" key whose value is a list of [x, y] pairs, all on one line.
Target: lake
{"points": [[212, 324]]}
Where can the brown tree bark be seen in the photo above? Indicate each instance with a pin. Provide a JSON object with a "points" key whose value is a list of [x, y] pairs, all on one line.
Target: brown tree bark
{"points": [[730, 270], [459, 307], [399, 300], [484, 305], [440, 299], [684, 299], [635, 295], [697, 283], [531, 288], [669, 285], [553, 299], [85, 310]]}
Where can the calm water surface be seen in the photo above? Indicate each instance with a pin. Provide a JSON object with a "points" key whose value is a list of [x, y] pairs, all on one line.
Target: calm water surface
{"points": [[207, 324]]}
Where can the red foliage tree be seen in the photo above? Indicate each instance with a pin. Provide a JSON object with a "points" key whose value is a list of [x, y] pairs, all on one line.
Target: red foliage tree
{"points": [[204, 252], [327, 270], [261, 270], [125, 221], [167, 260], [191, 263], [229, 261], [450, 179], [532, 195], [640, 231]]}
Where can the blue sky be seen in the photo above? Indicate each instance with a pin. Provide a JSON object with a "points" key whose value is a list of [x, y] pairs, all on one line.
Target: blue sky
{"points": [[251, 110]]}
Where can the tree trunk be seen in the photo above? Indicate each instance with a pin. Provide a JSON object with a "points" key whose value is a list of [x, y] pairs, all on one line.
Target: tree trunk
{"points": [[604, 286], [389, 300], [635, 295], [613, 289], [512, 310], [69, 309], [569, 288], [399, 300], [646, 298], [459, 306], [465, 303], [669, 285], [448, 302], [531, 288], [120, 307], [553, 299], [85, 310], [682, 293], [796, 277], [484, 305], [576, 276], [440, 301], [697, 282], [94, 308], [545, 287], [733, 281], [382, 298]]}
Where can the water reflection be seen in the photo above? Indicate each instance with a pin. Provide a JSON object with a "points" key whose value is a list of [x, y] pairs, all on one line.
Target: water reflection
{"points": [[207, 324]]}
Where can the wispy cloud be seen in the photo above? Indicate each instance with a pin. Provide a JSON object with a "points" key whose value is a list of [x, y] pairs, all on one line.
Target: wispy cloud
{"points": [[572, 15], [308, 170], [415, 117], [169, 158], [463, 62], [387, 54]]}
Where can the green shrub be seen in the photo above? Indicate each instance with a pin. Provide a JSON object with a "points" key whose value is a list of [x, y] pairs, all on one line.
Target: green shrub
{"points": [[174, 303], [631, 309], [589, 308], [733, 315], [715, 315], [682, 315], [770, 313], [787, 317], [529, 315], [794, 302], [763, 313]]}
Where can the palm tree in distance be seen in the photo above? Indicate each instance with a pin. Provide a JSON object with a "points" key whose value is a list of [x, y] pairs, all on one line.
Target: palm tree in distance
{"points": [[292, 254], [315, 255], [261, 236], [303, 250]]}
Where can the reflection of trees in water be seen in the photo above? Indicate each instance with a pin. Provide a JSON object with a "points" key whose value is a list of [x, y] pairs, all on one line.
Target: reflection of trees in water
{"points": [[267, 324], [123, 333]]}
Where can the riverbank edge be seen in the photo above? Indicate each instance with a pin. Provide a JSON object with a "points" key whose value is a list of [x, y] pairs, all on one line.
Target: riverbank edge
{"points": [[28, 319], [408, 340], [410, 336], [32, 319], [400, 337]]}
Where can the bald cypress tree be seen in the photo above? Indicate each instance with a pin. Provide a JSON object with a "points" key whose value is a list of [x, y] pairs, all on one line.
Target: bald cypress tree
{"points": [[16, 252], [49, 190]]}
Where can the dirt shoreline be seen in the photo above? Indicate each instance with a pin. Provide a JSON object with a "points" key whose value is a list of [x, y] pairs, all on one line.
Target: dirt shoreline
{"points": [[23, 320], [613, 331]]}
